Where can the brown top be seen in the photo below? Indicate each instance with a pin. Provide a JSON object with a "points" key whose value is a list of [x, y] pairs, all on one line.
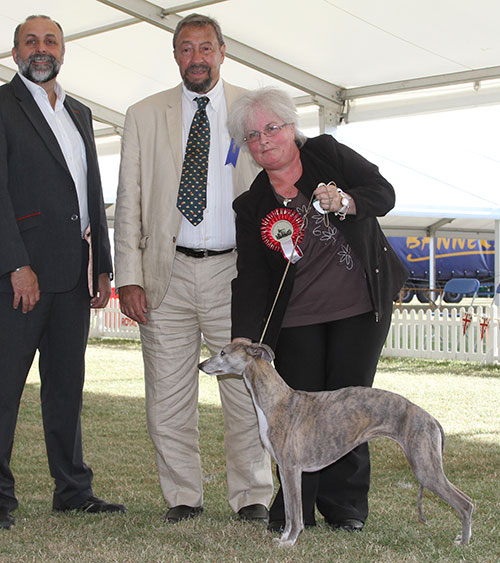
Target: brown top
{"points": [[330, 282]]}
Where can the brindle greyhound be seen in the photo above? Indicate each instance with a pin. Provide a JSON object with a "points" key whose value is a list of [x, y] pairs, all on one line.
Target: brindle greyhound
{"points": [[306, 431]]}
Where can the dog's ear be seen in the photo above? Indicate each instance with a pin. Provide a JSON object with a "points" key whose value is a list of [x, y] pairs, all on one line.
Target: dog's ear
{"points": [[261, 351]]}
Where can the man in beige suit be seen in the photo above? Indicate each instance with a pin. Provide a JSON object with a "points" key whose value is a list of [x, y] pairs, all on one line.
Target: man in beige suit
{"points": [[174, 277]]}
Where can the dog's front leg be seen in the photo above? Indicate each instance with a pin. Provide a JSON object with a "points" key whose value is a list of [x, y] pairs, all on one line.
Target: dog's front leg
{"points": [[291, 483]]}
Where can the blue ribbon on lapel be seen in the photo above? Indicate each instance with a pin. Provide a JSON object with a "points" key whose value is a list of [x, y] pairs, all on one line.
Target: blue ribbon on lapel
{"points": [[232, 154]]}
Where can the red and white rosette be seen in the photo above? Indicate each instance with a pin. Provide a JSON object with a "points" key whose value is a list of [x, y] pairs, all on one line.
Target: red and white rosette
{"points": [[282, 230]]}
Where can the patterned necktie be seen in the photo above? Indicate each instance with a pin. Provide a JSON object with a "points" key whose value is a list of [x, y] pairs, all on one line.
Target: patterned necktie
{"points": [[192, 197]]}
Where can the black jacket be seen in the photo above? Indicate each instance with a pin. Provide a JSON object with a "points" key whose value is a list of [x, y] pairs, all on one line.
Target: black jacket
{"points": [[260, 269], [38, 200]]}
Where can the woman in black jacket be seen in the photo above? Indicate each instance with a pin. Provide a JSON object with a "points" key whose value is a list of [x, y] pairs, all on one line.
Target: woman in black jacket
{"points": [[314, 205]]}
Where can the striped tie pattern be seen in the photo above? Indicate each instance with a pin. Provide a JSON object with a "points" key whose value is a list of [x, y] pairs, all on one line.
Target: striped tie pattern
{"points": [[192, 197]]}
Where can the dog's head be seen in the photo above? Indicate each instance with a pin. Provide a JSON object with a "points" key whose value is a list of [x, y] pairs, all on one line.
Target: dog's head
{"points": [[234, 358]]}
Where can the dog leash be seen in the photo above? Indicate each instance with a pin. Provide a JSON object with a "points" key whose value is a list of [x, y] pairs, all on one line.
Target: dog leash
{"points": [[327, 222]]}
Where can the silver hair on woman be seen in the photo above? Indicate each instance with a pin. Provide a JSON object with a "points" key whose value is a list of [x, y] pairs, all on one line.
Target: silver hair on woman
{"points": [[268, 99]]}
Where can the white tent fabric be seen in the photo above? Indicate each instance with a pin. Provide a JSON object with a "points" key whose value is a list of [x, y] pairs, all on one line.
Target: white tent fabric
{"points": [[335, 53], [442, 165], [349, 43]]}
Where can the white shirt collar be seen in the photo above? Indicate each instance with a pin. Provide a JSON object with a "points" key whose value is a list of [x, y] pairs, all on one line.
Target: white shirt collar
{"points": [[37, 90], [216, 95]]}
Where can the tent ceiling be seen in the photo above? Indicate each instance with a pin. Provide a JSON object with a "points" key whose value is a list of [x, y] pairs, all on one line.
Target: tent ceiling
{"points": [[340, 54], [333, 50]]}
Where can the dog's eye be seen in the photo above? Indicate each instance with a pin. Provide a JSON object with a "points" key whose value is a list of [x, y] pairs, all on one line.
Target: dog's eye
{"points": [[222, 353]]}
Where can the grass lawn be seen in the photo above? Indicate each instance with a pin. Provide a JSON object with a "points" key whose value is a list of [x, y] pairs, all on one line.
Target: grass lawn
{"points": [[464, 397]]}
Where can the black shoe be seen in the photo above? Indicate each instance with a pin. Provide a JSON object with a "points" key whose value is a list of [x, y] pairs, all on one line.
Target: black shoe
{"points": [[348, 524], [182, 512], [278, 526], [254, 513], [93, 505], [6, 518]]}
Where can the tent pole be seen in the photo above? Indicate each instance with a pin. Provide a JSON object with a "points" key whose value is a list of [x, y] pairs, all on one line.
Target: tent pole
{"points": [[497, 260], [432, 263], [329, 117]]}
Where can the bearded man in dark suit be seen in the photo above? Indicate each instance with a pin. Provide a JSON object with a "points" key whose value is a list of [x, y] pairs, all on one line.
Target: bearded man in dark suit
{"points": [[55, 260]]}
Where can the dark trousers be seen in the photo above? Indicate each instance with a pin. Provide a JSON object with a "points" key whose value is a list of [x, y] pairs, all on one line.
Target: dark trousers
{"points": [[325, 357], [58, 327]]}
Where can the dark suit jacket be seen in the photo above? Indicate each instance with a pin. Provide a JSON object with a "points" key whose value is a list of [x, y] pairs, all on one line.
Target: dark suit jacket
{"points": [[39, 214], [260, 269]]}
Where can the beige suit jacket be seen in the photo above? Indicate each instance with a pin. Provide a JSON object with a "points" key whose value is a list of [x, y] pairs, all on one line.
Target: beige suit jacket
{"points": [[147, 220]]}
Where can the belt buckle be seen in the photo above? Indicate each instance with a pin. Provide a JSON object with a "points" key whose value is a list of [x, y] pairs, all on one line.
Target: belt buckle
{"points": [[205, 253]]}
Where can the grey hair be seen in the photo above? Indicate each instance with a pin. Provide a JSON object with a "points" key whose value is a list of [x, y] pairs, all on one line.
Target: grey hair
{"points": [[269, 99], [198, 20], [34, 17]]}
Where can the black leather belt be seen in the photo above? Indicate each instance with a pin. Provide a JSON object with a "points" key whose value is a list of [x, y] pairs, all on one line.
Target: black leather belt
{"points": [[201, 253]]}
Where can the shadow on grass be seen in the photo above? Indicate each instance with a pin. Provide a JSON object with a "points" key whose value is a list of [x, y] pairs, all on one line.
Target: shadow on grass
{"points": [[118, 448], [423, 367]]}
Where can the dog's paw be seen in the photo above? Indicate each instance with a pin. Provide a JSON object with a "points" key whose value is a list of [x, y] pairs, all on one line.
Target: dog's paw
{"points": [[284, 543], [422, 520], [460, 541]]}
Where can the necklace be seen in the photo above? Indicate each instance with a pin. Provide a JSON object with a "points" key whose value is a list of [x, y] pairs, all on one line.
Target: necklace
{"points": [[286, 200]]}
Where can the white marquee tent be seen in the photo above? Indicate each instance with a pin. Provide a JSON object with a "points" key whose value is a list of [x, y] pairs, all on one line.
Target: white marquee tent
{"points": [[345, 61]]}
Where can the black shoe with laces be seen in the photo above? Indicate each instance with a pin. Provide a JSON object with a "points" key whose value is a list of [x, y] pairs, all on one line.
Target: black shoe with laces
{"points": [[93, 505]]}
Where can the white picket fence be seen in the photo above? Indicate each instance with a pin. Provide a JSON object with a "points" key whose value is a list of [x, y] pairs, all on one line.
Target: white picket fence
{"points": [[415, 333], [110, 322], [464, 333]]}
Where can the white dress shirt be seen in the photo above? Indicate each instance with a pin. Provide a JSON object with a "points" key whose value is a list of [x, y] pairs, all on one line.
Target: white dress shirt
{"points": [[217, 230], [69, 139]]}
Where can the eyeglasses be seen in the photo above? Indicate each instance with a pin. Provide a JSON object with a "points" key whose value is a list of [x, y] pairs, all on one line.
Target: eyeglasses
{"points": [[269, 131]]}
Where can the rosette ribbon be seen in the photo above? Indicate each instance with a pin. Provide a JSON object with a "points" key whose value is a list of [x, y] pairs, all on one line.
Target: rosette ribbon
{"points": [[282, 230]]}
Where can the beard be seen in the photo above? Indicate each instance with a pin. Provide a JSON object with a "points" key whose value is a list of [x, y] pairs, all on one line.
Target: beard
{"points": [[198, 87], [39, 73]]}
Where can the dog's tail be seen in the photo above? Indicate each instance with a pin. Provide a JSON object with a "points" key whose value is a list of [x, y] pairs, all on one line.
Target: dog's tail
{"points": [[442, 435]]}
